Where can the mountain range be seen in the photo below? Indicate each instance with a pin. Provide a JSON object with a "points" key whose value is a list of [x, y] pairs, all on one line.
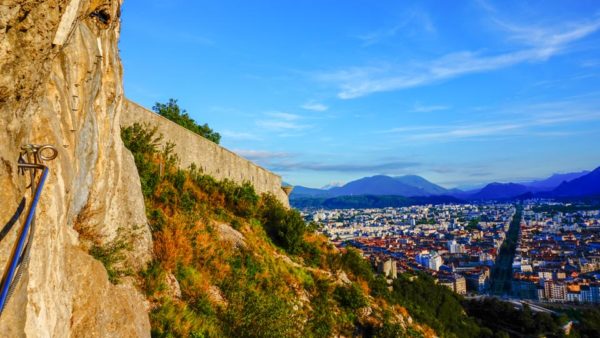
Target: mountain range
{"points": [[577, 184]]}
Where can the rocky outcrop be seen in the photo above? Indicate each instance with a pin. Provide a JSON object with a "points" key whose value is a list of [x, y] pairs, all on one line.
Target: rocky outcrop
{"points": [[61, 84]]}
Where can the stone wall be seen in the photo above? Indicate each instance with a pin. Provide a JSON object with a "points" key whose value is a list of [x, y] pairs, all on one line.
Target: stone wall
{"points": [[213, 159]]}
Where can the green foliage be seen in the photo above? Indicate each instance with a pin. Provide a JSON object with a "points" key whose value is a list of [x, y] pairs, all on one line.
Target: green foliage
{"points": [[322, 320], [171, 111], [350, 296], [251, 313], [353, 261], [434, 305], [286, 227], [142, 141], [258, 291], [502, 270], [473, 224], [242, 200], [588, 325], [502, 316], [112, 255], [176, 319], [311, 254], [379, 287], [153, 276]]}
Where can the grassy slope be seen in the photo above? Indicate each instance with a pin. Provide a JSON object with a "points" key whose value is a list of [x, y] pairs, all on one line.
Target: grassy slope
{"points": [[283, 280]]}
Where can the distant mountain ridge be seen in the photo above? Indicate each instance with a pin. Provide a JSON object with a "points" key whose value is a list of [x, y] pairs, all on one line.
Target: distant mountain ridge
{"points": [[576, 184], [500, 191], [586, 185], [554, 180], [409, 185]]}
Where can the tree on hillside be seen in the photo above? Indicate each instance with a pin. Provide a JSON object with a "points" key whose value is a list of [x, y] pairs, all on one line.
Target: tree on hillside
{"points": [[172, 111]]}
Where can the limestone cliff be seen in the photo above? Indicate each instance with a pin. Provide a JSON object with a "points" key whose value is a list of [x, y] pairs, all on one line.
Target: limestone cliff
{"points": [[60, 84]]}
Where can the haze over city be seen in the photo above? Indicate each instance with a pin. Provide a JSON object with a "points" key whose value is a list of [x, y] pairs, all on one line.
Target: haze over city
{"points": [[462, 93]]}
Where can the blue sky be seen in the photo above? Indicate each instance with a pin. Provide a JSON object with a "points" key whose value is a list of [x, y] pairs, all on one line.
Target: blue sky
{"points": [[459, 92]]}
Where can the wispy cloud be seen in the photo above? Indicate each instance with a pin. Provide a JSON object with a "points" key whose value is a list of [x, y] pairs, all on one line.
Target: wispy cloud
{"points": [[261, 155], [539, 118], [242, 136], [314, 106], [284, 161], [468, 131], [280, 125], [419, 108], [280, 121], [284, 116], [390, 167], [415, 20], [541, 45]]}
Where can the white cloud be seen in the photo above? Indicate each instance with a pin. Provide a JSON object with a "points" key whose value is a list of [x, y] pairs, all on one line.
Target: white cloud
{"points": [[541, 44], [540, 118], [315, 106]]}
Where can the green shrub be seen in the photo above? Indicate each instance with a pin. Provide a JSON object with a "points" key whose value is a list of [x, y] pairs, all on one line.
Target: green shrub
{"points": [[350, 296], [112, 255], [174, 319], [142, 141], [285, 227], [251, 313], [171, 111], [352, 260]]}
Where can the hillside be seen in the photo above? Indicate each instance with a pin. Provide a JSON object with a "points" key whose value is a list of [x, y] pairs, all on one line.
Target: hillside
{"points": [[229, 262]]}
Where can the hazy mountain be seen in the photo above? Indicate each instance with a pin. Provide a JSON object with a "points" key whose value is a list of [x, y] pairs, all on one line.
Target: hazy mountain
{"points": [[561, 185], [554, 181], [409, 185], [421, 183], [332, 185], [377, 185], [587, 185], [300, 191], [370, 201], [494, 191]]}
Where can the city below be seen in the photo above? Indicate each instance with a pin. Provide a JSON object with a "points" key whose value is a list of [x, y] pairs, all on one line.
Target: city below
{"points": [[535, 251]]}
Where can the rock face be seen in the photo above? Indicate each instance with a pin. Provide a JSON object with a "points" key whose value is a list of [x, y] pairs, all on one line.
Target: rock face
{"points": [[61, 84]]}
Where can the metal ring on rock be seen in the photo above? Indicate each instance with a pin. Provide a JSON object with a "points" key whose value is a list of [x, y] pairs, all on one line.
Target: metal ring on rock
{"points": [[50, 156]]}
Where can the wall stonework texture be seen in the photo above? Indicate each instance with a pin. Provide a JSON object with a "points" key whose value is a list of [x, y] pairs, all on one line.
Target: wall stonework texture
{"points": [[211, 158]]}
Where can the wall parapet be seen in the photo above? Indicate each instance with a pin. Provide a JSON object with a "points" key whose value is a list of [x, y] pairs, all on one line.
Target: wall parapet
{"points": [[211, 158]]}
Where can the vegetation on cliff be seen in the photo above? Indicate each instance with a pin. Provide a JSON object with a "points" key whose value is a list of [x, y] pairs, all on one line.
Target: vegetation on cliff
{"points": [[171, 111], [229, 262]]}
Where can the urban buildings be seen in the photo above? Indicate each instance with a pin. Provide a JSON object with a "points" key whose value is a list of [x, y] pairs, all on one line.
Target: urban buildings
{"points": [[557, 256]]}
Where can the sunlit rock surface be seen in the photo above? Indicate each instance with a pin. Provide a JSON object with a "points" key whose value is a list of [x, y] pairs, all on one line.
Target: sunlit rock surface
{"points": [[61, 84]]}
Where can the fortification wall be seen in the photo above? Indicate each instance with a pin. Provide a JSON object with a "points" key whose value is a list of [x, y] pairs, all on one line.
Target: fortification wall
{"points": [[213, 159]]}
